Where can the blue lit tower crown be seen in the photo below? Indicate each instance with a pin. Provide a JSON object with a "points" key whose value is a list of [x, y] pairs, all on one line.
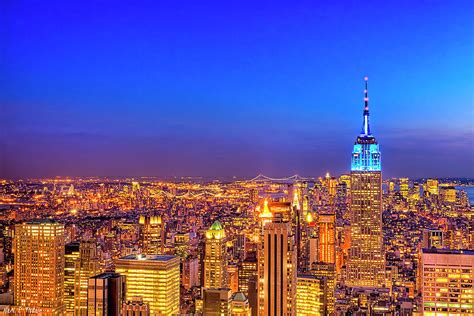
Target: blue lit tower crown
{"points": [[366, 152]]}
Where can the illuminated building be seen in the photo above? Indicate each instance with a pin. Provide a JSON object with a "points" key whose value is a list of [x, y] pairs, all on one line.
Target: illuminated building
{"points": [[152, 234], [391, 187], [447, 285], [154, 278], [216, 301], [366, 263], [181, 244], [86, 266], [448, 194], [105, 295], [432, 186], [248, 280], [70, 258], [135, 307], [190, 274], [346, 179], [239, 305], [277, 274], [327, 238], [327, 273], [403, 187], [233, 273], [215, 261], [39, 266], [309, 296], [433, 238]]}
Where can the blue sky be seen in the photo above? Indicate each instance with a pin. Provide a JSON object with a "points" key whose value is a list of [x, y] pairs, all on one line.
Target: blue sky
{"points": [[100, 88]]}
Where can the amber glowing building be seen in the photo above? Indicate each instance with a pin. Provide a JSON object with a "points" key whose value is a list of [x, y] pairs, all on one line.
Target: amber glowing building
{"points": [[39, 266], [277, 273], [152, 230], [154, 278], [366, 264], [215, 261], [327, 238]]}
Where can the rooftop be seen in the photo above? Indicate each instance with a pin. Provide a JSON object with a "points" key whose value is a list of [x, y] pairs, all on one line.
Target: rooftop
{"points": [[448, 251], [143, 257]]}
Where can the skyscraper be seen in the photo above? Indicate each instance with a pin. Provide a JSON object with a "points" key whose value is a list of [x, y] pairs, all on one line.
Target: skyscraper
{"points": [[105, 295], [71, 256], [366, 264], [86, 266], [447, 282], [327, 238], [39, 266], [309, 296], [152, 235], [215, 261], [277, 274], [154, 278]]}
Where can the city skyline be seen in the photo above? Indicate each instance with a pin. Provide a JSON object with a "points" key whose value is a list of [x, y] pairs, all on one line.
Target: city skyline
{"points": [[169, 94]]}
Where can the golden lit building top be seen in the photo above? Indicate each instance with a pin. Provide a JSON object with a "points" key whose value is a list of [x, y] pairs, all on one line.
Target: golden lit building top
{"points": [[216, 231]]}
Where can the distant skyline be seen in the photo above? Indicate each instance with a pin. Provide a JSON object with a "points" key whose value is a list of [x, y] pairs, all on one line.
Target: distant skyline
{"points": [[234, 89]]}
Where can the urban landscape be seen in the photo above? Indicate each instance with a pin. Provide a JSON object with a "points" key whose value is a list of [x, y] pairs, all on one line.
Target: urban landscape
{"points": [[234, 159]]}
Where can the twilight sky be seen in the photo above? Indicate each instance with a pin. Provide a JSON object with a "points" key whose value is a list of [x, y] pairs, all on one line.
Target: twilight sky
{"points": [[223, 88]]}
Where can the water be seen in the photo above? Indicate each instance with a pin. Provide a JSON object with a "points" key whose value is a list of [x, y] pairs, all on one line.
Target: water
{"points": [[469, 191]]}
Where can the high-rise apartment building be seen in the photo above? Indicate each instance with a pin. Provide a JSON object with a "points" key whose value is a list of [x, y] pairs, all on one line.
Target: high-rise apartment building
{"points": [[39, 266], [327, 238], [277, 274], [152, 234], [447, 282], [106, 294], [433, 238], [154, 278], [431, 186], [215, 261], [366, 264]]}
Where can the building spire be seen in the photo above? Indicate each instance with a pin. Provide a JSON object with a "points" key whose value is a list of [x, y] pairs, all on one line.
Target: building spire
{"points": [[365, 124]]}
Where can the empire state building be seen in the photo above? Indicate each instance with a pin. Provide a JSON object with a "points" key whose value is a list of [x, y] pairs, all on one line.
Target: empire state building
{"points": [[366, 264]]}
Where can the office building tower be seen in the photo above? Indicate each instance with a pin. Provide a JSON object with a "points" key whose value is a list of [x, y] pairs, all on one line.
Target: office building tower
{"points": [[215, 261], [152, 234], [433, 238], [39, 266], [152, 229], [71, 256], [431, 186], [154, 278], [85, 267], [105, 294], [327, 237], [190, 274], [240, 306], [327, 273], [447, 282], [233, 277], [366, 264], [216, 301], [403, 187], [448, 194], [277, 274], [309, 296]]}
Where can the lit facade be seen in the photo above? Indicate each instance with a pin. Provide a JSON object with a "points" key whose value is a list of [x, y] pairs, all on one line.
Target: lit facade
{"points": [[152, 235], [154, 278], [447, 282], [70, 258], [215, 261], [86, 266], [366, 264], [106, 294], [39, 266], [277, 274], [327, 238], [309, 296], [217, 302]]}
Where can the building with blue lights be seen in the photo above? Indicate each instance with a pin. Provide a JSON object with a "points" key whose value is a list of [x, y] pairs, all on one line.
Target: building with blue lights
{"points": [[366, 264]]}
